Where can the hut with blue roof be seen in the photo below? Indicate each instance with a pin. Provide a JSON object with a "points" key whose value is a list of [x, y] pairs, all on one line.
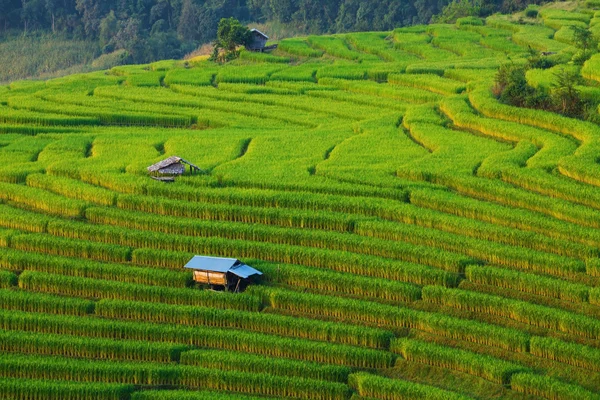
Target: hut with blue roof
{"points": [[222, 273]]}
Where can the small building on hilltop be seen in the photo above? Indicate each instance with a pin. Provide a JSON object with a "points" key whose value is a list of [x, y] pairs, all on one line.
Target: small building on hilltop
{"points": [[228, 273], [166, 170], [258, 41]]}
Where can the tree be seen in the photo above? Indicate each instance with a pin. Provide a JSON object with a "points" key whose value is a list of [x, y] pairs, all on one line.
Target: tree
{"points": [[230, 34], [565, 94], [187, 28], [458, 9], [108, 29], [584, 41]]}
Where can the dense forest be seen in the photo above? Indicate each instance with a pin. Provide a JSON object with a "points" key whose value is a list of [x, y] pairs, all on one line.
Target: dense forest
{"points": [[158, 29]]}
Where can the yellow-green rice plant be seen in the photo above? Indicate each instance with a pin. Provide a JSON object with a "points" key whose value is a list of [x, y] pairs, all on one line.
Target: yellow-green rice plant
{"points": [[15, 260], [527, 313], [7, 279], [336, 282], [591, 67], [256, 74], [190, 395], [15, 218], [233, 361], [298, 77], [210, 231], [335, 46], [77, 347], [72, 189], [529, 283], [299, 47], [57, 390], [565, 33], [145, 79], [554, 13], [483, 366], [595, 296], [12, 116], [34, 130], [208, 337], [379, 44], [263, 57], [406, 94], [6, 236], [271, 385], [43, 243], [558, 24], [340, 261], [347, 71], [428, 82], [249, 88], [566, 352], [101, 289], [592, 266], [467, 21], [42, 200], [549, 388], [478, 249], [104, 115], [396, 317], [253, 321], [58, 368], [507, 216], [377, 387], [190, 76], [37, 302]]}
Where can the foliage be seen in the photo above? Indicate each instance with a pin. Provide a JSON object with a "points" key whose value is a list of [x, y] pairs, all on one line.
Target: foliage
{"points": [[230, 35]]}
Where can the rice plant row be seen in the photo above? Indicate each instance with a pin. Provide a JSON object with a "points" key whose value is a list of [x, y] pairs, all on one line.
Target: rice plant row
{"points": [[527, 313], [486, 367], [89, 348], [15, 260], [100, 289], [12, 388], [529, 283], [45, 303], [377, 387], [232, 361], [208, 337], [251, 321], [27, 367], [396, 318]]}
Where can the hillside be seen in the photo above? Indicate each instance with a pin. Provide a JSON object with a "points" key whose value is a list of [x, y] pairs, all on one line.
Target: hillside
{"points": [[419, 239], [92, 35]]}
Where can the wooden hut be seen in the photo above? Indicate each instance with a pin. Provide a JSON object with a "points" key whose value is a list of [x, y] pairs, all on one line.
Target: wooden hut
{"points": [[167, 170], [258, 41], [228, 273]]}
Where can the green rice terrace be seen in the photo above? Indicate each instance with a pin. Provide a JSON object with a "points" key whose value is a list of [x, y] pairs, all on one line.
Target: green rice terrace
{"points": [[419, 239]]}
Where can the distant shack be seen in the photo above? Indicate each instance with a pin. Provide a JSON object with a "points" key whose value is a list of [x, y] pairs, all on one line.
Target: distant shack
{"points": [[222, 273], [166, 170], [258, 41]]}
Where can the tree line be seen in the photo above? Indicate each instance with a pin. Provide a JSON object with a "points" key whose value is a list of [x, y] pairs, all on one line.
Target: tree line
{"points": [[160, 29]]}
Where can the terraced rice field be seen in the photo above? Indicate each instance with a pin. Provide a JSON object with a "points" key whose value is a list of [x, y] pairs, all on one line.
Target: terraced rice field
{"points": [[419, 239]]}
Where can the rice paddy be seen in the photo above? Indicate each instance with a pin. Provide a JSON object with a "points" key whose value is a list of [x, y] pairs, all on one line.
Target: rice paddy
{"points": [[418, 238]]}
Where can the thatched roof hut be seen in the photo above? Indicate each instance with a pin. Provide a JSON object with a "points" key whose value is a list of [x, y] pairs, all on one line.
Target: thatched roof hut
{"points": [[167, 169]]}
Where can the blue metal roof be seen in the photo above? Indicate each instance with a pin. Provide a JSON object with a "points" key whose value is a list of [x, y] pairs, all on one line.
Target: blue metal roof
{"points": [[219, 264], [244, 271]]}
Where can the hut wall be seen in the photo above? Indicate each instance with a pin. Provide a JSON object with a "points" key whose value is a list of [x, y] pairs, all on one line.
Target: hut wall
{"points": [[213, 278]]}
